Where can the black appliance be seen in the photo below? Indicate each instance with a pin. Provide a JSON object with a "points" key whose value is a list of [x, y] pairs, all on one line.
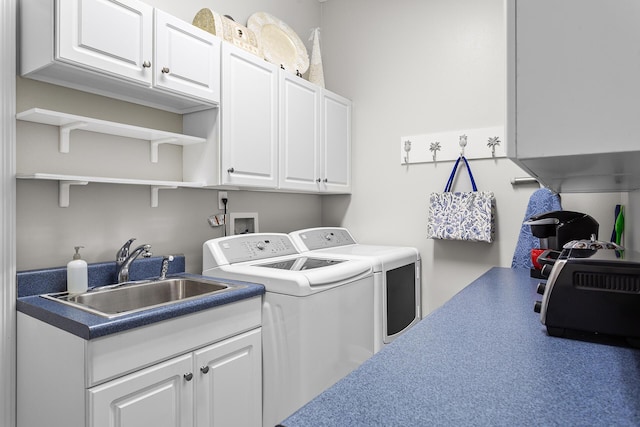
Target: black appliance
{"points": [[593, 293], [555, 229]]}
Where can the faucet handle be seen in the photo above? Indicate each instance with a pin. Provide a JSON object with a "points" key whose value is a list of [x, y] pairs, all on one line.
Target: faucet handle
{"points": [[123, 252], [165, 266]]}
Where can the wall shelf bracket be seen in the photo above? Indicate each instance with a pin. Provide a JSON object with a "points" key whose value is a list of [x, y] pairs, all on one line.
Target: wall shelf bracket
{"points": [[155, 189], [65, 132], [154, 146], [63, 191]]}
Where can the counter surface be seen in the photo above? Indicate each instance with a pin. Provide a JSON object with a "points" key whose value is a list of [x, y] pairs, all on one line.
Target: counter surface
{"points": [[484, 358], [88, 325]]}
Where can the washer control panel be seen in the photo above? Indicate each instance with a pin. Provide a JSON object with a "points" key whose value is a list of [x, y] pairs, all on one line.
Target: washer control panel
{"points": [[256, 246], [321, 238]]}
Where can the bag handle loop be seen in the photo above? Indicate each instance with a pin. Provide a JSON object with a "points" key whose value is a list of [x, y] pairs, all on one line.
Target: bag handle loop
{"points": [[447, 188]]}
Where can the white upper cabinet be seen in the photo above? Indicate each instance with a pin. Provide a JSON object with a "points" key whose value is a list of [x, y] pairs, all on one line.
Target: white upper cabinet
{"points": [[300, 115], [249, 110], [110, 36], [273, 130], [336, 143], [186, 60], [315, 137], [114, 48], [574, 92]]}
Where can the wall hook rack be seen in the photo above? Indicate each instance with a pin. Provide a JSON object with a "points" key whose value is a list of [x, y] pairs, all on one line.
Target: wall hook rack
{"points": [[452, 144]]}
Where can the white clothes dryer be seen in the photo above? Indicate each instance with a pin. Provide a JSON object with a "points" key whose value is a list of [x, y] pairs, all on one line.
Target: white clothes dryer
{"points": [[316, 318], [397, 284]]}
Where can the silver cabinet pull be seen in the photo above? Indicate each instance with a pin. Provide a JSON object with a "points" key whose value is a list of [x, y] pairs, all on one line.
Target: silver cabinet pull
{"points": [[318, 180], [188, 376], [325, 180], [204, 369], [165, 70], [146, 64], [231, 170]]}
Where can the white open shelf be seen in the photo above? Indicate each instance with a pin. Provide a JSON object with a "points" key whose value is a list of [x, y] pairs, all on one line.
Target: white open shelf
{"points": [[66, 181], [68, 122]]}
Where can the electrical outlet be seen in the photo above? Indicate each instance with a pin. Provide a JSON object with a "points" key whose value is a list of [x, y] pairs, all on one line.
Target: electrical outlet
{"points": [[222, 195]]}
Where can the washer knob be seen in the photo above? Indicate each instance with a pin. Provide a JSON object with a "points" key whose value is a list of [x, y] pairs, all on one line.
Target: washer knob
{"points": [[261, 246]]}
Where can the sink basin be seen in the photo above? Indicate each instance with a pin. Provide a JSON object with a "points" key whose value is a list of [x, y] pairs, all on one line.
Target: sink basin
{"points": [[126, 298]]}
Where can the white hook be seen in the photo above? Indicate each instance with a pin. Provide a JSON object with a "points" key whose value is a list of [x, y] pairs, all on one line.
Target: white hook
{"points": [[492, 144], [463, 143], [407, 148], [434, 147]]}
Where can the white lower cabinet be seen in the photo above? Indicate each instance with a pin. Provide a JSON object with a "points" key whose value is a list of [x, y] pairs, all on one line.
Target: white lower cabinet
{"points": [[229, 382], [218, 385], [201, 369], [158, 396]]}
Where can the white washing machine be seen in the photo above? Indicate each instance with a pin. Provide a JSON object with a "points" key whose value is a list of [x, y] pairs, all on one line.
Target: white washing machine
{"points": [[397, 296], [316, 318]]}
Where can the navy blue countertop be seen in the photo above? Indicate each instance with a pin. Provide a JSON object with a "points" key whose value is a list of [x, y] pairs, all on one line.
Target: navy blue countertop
{"points": [[89, 326], [483, 359]]}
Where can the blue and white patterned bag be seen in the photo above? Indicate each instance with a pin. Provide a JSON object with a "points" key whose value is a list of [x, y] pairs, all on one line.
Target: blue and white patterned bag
{"points": [[462, 215]]}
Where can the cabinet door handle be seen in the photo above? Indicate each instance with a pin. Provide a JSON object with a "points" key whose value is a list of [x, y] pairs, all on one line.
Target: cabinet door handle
{"points": [[231, 170], [165, 70], [325, 180], [188, 376], [318, 180], [146, 64], [204, 369]]}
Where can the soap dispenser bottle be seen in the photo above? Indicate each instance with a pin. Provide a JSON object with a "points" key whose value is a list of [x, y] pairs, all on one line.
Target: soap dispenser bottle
{"points": [[77, 275]]}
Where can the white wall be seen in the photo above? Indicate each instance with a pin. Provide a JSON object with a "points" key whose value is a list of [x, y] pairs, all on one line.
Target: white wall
{"points": [[414, 67]]}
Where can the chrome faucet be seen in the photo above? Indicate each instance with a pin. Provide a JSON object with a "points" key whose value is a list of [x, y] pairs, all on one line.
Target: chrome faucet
{"points": [[124, 258]]}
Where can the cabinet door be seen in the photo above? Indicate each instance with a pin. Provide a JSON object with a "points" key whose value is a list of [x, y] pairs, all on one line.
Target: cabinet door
{"points": [[300, 103], [336, 140], [249, 108], [229, 387], [108, 36], [159, 396], [187, 59], [577, 78]]}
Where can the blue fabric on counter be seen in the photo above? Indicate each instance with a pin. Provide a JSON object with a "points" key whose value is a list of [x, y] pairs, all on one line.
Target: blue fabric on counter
{"points": [[49, 280], [541, 201], [484, 359]]}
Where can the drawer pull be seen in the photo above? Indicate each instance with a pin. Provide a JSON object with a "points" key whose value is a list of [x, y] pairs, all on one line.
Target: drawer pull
{"points": [[188, 376], [204, 369]]}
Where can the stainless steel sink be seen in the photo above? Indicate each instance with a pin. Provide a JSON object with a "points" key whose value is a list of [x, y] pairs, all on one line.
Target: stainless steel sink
{"points": [[118, 300]]}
